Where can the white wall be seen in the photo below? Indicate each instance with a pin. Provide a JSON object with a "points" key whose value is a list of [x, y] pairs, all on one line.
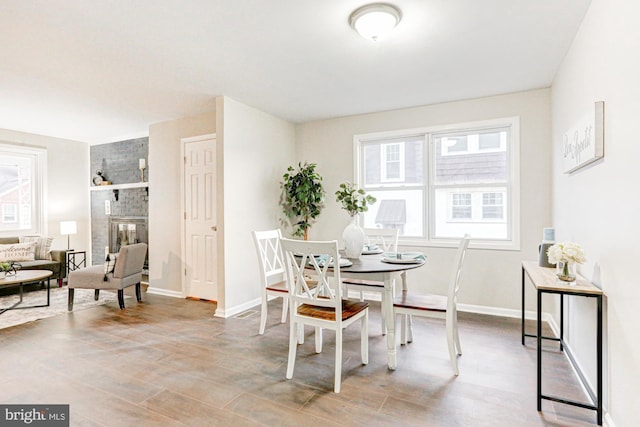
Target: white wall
{"points": [[68, 180], [165, 215], [598, 206], [257, 149], [491, 278]]}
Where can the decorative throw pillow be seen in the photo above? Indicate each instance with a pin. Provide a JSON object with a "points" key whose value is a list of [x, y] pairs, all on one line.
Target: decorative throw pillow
{"points": [[43, 245], [18, 252], [109, 264]]}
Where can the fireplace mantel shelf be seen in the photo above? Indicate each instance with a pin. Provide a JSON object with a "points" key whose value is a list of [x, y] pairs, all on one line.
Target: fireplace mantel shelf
{"points": [[119, 186]]}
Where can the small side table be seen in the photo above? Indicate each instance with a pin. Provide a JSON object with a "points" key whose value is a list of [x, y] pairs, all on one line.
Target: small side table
{"points": [[76, 260]]}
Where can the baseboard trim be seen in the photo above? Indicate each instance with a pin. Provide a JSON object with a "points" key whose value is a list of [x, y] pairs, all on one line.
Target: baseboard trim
{"points": [[232, 311], [505, 312], [165, 292]]}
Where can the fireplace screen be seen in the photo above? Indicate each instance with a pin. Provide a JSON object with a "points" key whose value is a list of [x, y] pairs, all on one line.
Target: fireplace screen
{"points": [[127, 231]]}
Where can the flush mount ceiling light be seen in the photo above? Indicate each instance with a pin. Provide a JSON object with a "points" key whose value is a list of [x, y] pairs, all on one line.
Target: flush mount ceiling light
{"points": [[374, 20]]}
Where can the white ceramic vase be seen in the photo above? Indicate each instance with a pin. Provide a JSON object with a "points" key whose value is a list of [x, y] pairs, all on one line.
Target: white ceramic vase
{"points": [[353, 237]]}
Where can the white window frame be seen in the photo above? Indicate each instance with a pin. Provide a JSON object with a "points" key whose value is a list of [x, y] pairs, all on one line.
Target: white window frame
{"points": [[512, 208], [473, 147], [38, 187]]}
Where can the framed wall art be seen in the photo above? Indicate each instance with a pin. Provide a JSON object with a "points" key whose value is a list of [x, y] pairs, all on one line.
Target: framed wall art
{"points": [[584, 142]]}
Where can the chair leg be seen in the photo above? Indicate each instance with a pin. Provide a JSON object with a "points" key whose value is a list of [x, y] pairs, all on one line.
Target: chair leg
{"points": [[456, 336], [138, 292], [318, 340], [263, 314], [285, 309], [121, 298], [403, 329], [70, 300], [410, 328], [300, 333], [364, 338], [338, 376], [293, 337], [451, 344], [96, 294]]}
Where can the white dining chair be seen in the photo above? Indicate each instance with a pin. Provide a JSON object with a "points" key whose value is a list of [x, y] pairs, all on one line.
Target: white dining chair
{"points": [[272, 274], [323, 308], [439, 306], [387, 240]]}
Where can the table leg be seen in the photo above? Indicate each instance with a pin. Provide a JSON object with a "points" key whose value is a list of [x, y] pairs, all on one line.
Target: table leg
{"points": [[387, 308], [599, 362], [523, 306], [539, 339]]}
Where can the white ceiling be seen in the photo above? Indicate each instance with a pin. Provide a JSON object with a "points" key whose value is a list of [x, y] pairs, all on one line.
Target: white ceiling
{"points": [[104, 70]]}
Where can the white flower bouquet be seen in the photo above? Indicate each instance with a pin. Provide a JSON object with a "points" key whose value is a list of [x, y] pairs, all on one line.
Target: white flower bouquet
{"points": [[566, 256], [566, 252]]}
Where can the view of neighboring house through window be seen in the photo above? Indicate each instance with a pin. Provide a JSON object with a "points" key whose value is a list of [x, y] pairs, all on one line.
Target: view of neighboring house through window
{"points": [[436, 184], [21, 174]]}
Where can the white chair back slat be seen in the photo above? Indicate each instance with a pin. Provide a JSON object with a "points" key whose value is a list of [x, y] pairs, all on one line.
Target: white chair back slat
{"points": [[303, 265], [267, 245], [385, 238], [454, 281]]}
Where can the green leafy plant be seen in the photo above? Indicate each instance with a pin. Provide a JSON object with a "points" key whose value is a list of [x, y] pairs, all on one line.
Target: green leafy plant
{"points": [[5, 266], [353, 199], [302, 197]]}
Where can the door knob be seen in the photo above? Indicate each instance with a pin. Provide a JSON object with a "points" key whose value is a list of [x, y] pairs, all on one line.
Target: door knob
{"points": [[214, 228]]}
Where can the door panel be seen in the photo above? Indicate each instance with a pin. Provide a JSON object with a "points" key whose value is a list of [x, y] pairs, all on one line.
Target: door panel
{"points": [[200, 219]]}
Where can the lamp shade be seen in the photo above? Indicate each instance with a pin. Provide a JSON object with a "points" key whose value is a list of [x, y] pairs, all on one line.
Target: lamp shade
{"points": [[68, 227], [374, 20]]}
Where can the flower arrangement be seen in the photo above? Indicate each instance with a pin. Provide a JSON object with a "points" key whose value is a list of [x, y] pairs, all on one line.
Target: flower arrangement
{"points": [[566, 252], [565, 256], [353, 199]]}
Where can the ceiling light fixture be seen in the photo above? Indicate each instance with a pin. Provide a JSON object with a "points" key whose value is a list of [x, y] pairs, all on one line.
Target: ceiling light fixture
{"points": [[374, 20]]}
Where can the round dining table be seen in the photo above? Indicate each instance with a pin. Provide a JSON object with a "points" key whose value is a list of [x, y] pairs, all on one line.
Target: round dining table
{"points": [[372, 267]]}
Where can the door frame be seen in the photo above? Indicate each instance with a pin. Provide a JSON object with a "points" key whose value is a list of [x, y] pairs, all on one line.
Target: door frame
{"points": [[183, 208]]}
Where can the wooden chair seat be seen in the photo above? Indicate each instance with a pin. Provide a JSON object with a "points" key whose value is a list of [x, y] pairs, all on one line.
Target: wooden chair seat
{"points": [[282, 286], [278, 287], [425, 302], [349, 309]]}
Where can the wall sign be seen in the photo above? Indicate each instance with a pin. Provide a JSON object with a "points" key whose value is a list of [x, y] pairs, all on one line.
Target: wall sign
{"points": [[584, 142]]}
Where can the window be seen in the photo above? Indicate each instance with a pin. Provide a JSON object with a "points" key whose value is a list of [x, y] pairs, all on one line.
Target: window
{"points": [[461, 206], [492, 206], [9, 213], [392, 162], [436, 184], [22, 172]]}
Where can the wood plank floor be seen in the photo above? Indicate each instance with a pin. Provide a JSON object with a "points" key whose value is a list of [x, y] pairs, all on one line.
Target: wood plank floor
{"points": [[169, 362]]}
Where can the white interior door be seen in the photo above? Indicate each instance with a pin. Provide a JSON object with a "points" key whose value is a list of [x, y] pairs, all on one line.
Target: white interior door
{"points": [[200, 230]]}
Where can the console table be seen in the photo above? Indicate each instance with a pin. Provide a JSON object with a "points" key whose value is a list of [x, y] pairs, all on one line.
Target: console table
{"points": [[545, 281]]}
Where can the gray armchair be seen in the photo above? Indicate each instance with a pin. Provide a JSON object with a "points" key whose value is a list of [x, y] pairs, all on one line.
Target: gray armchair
{"points": [[127, 272]]}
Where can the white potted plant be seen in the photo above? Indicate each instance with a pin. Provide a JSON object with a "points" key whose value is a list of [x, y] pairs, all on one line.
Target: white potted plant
{"points": [[354, 200]]}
